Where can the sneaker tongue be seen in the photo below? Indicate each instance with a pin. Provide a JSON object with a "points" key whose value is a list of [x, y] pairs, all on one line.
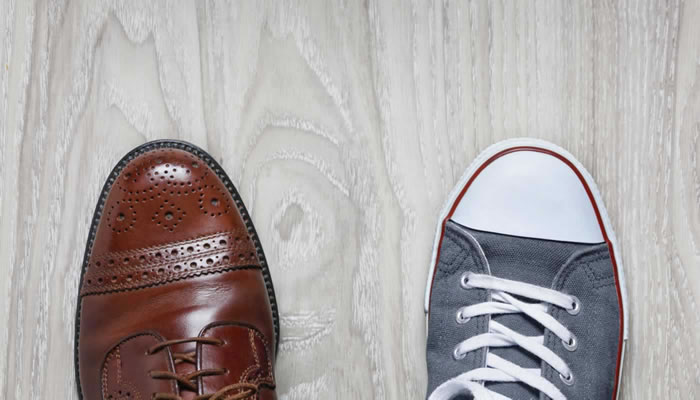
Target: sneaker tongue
{"points": [[527, 260]]}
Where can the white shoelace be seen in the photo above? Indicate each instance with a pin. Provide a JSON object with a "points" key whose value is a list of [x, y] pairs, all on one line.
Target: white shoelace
{"points": [[498, 369]]}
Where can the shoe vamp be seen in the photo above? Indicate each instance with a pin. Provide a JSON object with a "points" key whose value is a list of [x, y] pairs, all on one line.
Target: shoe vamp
{"points": [[526, 260]]}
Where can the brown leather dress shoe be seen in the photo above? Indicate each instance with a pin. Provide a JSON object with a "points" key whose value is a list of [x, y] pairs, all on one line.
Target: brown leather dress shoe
{"points": [[176, 300]]}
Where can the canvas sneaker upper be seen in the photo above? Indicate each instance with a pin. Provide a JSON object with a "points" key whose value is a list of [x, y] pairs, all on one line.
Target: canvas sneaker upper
{"points": [[519, 306], [576, 278]]}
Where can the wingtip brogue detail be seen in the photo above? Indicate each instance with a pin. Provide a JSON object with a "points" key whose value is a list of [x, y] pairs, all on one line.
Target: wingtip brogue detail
{"points": [[133, 269], [171, 251]]}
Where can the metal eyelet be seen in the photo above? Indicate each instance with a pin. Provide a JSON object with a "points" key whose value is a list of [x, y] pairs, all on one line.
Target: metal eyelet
{"points": [[576, 307], [568, 380], [464, 281], [457, 355], [461, 319], [572, 344]]}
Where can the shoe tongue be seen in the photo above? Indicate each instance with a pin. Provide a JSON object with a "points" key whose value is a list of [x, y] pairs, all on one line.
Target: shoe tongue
{"points": [[526, 260]]}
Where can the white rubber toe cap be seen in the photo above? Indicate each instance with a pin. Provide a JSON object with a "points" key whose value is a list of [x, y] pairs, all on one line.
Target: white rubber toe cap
{"points": [[530, 194]]}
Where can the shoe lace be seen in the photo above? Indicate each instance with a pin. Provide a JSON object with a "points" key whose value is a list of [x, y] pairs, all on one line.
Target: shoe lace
{"points": [[498, 369], [188, 381]]}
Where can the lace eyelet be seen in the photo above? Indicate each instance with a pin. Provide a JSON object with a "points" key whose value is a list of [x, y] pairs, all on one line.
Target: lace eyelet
{"points": [[464, 281], [461, 319], [568, 380], [571, 345], [576, 307], [457, 355]]}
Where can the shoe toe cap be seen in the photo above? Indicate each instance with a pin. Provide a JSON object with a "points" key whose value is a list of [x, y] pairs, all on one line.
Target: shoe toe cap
{"points": [[531, 194], [161, 196]]}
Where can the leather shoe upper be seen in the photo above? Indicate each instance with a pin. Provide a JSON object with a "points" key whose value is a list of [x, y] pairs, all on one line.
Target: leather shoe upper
{"points": [[173, 302]]}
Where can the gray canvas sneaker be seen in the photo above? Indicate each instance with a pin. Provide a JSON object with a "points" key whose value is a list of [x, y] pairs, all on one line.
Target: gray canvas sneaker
{"points": [[525, 296]]}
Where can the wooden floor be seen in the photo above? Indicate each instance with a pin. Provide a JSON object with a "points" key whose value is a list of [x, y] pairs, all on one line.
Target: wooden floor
{"points": [[345, 124]]}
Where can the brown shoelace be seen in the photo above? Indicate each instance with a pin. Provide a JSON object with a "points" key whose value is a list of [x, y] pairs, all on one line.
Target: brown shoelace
{"points": [[187, 381]]}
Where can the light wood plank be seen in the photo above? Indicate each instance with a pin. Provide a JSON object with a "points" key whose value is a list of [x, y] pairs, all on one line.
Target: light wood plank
{"points": [[345, 124]]}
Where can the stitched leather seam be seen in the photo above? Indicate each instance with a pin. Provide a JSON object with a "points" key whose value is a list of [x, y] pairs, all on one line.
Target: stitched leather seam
{"points": [[116, 352], [169, 245], [235, 243], [119, 362], [251, 338], [180, 260], [105, 372], [161, 275], [269, 363], [269, 379], [244, 376], [252, 334], [170, 280], [107, 278]]}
